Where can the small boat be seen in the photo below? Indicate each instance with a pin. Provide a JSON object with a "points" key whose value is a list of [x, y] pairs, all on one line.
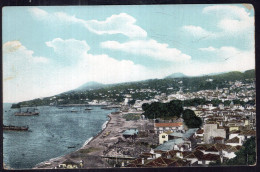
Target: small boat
{"points": [[88, 109], [73, 110], [15, 128], [70, 147], [106, 107], [27, 113]]}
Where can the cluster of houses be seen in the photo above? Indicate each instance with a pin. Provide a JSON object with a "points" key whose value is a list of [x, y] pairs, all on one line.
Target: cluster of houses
{"points": [[224, 130], [179, 146]]}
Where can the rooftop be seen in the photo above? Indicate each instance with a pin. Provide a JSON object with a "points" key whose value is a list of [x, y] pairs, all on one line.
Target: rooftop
{"points": [[167, 146], [177, 124]]}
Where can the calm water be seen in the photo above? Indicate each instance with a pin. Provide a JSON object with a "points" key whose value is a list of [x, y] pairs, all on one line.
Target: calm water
{"points": [[50, 135]]}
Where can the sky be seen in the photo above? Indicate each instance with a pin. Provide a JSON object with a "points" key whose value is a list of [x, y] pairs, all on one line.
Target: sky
{"points": [[48, 50]]}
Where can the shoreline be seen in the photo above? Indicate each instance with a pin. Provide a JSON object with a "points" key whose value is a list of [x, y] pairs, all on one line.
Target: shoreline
{"points": [[63, 157], [101, 145], [99, 133]]}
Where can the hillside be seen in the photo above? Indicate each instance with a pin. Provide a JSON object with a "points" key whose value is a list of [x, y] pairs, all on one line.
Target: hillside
{"points": [[90, 86], [142, 89], [176, 75]]}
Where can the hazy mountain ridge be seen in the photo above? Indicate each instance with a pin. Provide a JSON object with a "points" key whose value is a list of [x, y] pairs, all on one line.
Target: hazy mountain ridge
{"points": [[177, 75], [116, 92], [90, 86]]}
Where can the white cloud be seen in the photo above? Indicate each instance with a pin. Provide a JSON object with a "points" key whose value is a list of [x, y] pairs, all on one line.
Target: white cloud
{"points": [[25, 76], [71, 48], [149, 48], [101, 68], [198, 31], [226, 59], [208, 49], [38, 13], [19, 69], [116, 24], [16, 52], [233, 21]]}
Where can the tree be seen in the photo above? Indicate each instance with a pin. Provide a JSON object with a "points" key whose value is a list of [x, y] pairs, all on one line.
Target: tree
{"points": [[246, 155], [190, 119], [131, 102], [163, 110], [175, 108]]}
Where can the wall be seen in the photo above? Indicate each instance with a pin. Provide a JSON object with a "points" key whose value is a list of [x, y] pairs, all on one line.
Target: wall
{"points": [[211, 130]]}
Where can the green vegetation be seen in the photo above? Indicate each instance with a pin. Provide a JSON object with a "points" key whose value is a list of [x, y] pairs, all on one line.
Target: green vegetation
{"points": [[15, 105], [190, 119], [163, 110], [245, 156], [131, 116], [215, 102], [116, 92], [171, 110]]}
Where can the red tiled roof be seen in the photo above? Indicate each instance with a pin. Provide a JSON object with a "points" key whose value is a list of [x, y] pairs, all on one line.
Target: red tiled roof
{"points": [[218, 138], [179, 163], [131, 165], [222, 146], [198, 154], [200, 131], [177, 124], [190, 156], [137, 161], [233, 140], [201, 147], [248, 133], [212, 149], [159, 162], [211, 157]]}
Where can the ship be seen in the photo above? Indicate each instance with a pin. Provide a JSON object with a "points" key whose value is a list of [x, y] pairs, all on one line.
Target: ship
{"points": [[73, 110], [15, 128], [106, 107], [27, 113]]}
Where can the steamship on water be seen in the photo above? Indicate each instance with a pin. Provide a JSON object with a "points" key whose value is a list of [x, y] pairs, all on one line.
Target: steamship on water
{"points": [[15, 128], [27, 113]]}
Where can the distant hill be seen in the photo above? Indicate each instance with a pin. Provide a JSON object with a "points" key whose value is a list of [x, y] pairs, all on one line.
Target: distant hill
{"points": [[116, 92], [90, 86], [236, 75], [177, 75]]}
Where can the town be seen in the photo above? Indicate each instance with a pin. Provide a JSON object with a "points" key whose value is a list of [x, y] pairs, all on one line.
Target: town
{"points": [[133, 139]]}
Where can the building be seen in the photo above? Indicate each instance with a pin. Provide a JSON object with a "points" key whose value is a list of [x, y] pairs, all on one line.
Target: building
{"points": [[71, 164], [164, 137], [130, 133], [163, 127], [211, 131]]}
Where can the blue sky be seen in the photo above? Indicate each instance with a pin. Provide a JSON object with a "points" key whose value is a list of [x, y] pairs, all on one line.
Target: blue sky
{"points": [[49, 50]]}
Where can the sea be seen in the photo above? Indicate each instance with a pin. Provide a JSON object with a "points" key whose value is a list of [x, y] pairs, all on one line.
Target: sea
{"points": [[51, 134]]}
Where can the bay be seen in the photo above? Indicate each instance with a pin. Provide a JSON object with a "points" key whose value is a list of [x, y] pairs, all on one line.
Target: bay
{"points": [[51, 133]]}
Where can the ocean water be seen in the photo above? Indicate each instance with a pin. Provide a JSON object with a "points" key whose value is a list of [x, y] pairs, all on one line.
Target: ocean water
{"points": [[50, 135]]}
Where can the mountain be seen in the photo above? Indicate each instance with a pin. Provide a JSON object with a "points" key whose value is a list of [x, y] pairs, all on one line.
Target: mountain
{"points": [[236, 75], [116, 92], [92, 85], [176, 75]]}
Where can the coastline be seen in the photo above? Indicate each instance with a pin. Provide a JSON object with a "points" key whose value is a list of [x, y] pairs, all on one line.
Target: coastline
{"points": [[101, 145], [62, 158]]}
